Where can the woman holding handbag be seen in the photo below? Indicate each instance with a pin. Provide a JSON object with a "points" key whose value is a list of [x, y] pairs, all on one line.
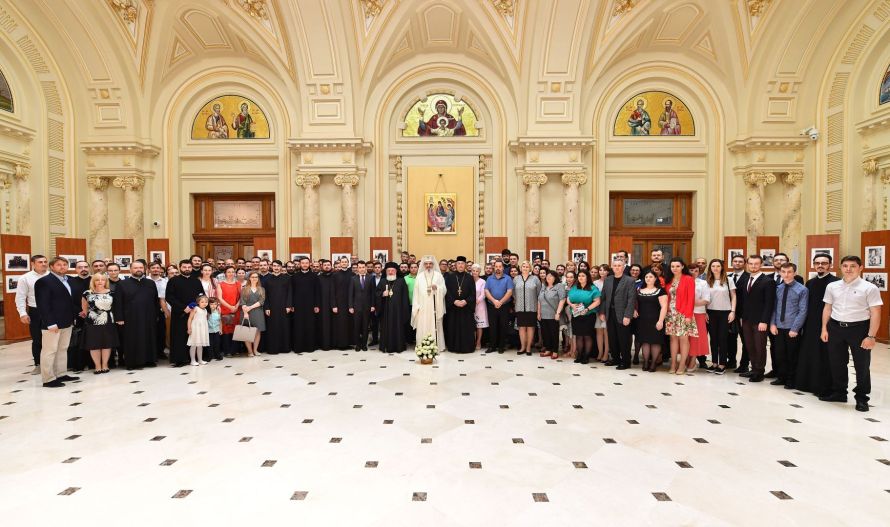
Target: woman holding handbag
{"points": [[253, 296], [228, 291]]}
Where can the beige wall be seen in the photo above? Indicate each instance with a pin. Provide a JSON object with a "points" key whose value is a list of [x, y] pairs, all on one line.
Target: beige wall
{"points": [[458, 180]]}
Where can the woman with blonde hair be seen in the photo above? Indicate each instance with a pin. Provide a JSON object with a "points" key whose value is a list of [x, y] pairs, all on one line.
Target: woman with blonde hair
{"points": [[480, 314], [253, 296], [526, 288], [100, 333]]}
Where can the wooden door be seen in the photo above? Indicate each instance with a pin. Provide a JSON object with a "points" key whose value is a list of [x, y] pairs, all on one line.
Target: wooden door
{"points": [[654, 220], [227, 224]]}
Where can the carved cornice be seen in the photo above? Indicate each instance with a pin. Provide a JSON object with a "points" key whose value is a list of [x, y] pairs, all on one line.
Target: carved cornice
{"points": [[874, 123], [16, 130], [352, 144], [131, 182], [97, 147], [759, 179], [534, 178], [346, 180], [768, 143], [525, 143], [22, 171], [97, 182], [574, 178], [307, 181], [794, 177], [870, 167]]}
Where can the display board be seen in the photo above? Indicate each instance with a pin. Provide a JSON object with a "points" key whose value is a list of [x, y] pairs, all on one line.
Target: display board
{"points": [[874, 261], [15, 250]]}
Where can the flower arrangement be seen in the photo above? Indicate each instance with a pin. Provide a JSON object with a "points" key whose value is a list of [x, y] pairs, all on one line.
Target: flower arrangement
{"points": [[427, 349]]}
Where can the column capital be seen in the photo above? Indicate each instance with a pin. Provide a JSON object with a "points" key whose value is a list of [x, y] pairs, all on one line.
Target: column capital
{"points": [[885, 176], [534, 178], [131, 182], [794, 177], [307, 181], [22, 171], [870, 166], [346, 180], [574, 178], [97, 182], [759, 179]]}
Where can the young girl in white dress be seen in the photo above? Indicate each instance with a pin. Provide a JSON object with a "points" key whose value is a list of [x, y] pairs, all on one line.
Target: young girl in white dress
{"points": [[199, 331]]}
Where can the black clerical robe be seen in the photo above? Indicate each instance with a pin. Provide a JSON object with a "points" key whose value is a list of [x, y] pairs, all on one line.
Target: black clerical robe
{"points": [[324, 321], [78, 358], [136, 305], [460, 329], [813, 372], [394, 312], [342, 319], [278, 301], [305, 289], [181, 291]]}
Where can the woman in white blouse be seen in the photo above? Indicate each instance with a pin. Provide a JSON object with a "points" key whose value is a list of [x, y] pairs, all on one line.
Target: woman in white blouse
{"points": [[721, 314]]}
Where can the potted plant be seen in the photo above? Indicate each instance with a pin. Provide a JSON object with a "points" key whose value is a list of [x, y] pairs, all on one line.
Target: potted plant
{"points": [[427, 349]]}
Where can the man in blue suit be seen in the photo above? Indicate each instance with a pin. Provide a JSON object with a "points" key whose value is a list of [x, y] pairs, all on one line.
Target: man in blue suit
{"points": [[55, 303]]}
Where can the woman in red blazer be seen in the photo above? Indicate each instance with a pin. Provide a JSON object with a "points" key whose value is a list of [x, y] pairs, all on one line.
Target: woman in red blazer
{"points": [[680, 321]]}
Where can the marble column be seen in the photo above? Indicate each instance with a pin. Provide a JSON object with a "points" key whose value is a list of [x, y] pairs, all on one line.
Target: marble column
{"points": [[311, 224], [571, 180], [100, 242], [791, 216], [23, 199], [134, 211], [347, 183], [756, 182], [533, 182], [869, 191]]}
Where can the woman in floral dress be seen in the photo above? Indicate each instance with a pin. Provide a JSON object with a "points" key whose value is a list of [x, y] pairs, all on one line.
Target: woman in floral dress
{"points": [[680, 323]]}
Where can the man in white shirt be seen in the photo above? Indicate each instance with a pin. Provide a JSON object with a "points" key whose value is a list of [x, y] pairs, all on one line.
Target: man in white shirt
{"points": [[850, 320], [26, 305]]}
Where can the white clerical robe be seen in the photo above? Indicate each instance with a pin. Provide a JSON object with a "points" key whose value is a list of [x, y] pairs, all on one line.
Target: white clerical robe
{"points": [[429, 307]]}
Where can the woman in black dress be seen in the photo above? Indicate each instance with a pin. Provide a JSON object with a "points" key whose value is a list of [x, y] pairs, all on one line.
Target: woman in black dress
{"points": [[652, 304], [100, 333]]}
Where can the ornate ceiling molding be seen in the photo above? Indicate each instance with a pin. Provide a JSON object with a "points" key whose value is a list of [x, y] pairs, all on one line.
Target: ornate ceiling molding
{"points": [[354, 144], [621, 7], [774, 143], [757, 8], [525, 143], [96, 147]]}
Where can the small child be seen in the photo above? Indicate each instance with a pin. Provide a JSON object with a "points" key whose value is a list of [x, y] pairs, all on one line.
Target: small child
{"points": [[198, 330], [214, 323]]}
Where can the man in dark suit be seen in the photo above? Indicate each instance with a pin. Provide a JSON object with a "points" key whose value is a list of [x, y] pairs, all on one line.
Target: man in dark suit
{"points": [[57, 312], [779, 260], [618, 303], [657, 259], [361, 305], [739, 276], [759, 303]]}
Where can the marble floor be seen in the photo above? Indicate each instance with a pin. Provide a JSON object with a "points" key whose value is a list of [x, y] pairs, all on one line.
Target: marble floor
{"points": [[364, 438]]}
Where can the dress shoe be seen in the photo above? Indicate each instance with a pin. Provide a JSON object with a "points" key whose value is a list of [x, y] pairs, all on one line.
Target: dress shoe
{"points": [[636, 360], [155, 364], [861, 406], [610, 363], [789, 386], [777, 382], [490, 350], [770, 375], [719, 371], [358, 348], [755, 378], [740, 369], [622, 367], [54, 384], [746, 374], [67, 378], [834, 398]]}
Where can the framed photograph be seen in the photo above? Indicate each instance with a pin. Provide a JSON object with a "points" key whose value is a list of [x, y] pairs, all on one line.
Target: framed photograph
{"points": [[381, 255], [732, 253], [537, 254], [768, 255], [579, 255], [492, 257], [296, 257], [441, 211], [874, 257], [824, 250], [12, 283], [18, 262], [73, 259], [264, 254], [123, 260], [335, 257], [158, 256], [615, 257], [879, 279]]}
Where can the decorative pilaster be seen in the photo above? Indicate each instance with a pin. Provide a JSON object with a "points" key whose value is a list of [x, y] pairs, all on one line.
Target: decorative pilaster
{"points": [[756, 182], [23, 198], [100, 242], [134, 211], [400, 238], [311, 225], [483, 167], [869, 189], [791, 216], [571, 180], [347, 183], [5, 184], [533, 182], [885, 180]]}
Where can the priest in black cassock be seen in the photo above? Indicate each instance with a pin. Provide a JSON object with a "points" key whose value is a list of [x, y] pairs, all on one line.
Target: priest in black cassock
{"points": [[325, 320], [307, 303], [182, 290], [277, 306], [342, 320], [813, 371], [460, 302], [135, 309], [393, 309]]}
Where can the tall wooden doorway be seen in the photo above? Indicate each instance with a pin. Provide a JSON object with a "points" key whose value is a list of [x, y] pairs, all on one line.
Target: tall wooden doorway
{"points": [[655, 220], [226, 224]]}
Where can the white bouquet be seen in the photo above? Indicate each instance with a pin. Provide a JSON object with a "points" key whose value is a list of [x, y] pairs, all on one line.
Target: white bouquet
{"points": [[427, 349]]}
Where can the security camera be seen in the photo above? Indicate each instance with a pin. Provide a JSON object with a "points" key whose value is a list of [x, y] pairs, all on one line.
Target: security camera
{"points": [[156, 223], [811, 131]]}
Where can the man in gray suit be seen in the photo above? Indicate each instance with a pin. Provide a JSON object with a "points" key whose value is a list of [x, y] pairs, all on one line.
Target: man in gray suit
{"points": [[617, 310]]}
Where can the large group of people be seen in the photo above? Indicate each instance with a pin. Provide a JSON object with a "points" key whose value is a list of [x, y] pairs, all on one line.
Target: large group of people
{"points": [[665, 313]]}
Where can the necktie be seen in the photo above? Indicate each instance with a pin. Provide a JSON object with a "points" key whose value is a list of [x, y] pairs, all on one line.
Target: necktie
{"points": [[750, 283], [363, 282], [784, 302]]}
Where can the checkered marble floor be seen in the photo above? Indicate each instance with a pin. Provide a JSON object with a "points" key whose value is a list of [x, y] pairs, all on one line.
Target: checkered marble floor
{"points": [[365, 438]]}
